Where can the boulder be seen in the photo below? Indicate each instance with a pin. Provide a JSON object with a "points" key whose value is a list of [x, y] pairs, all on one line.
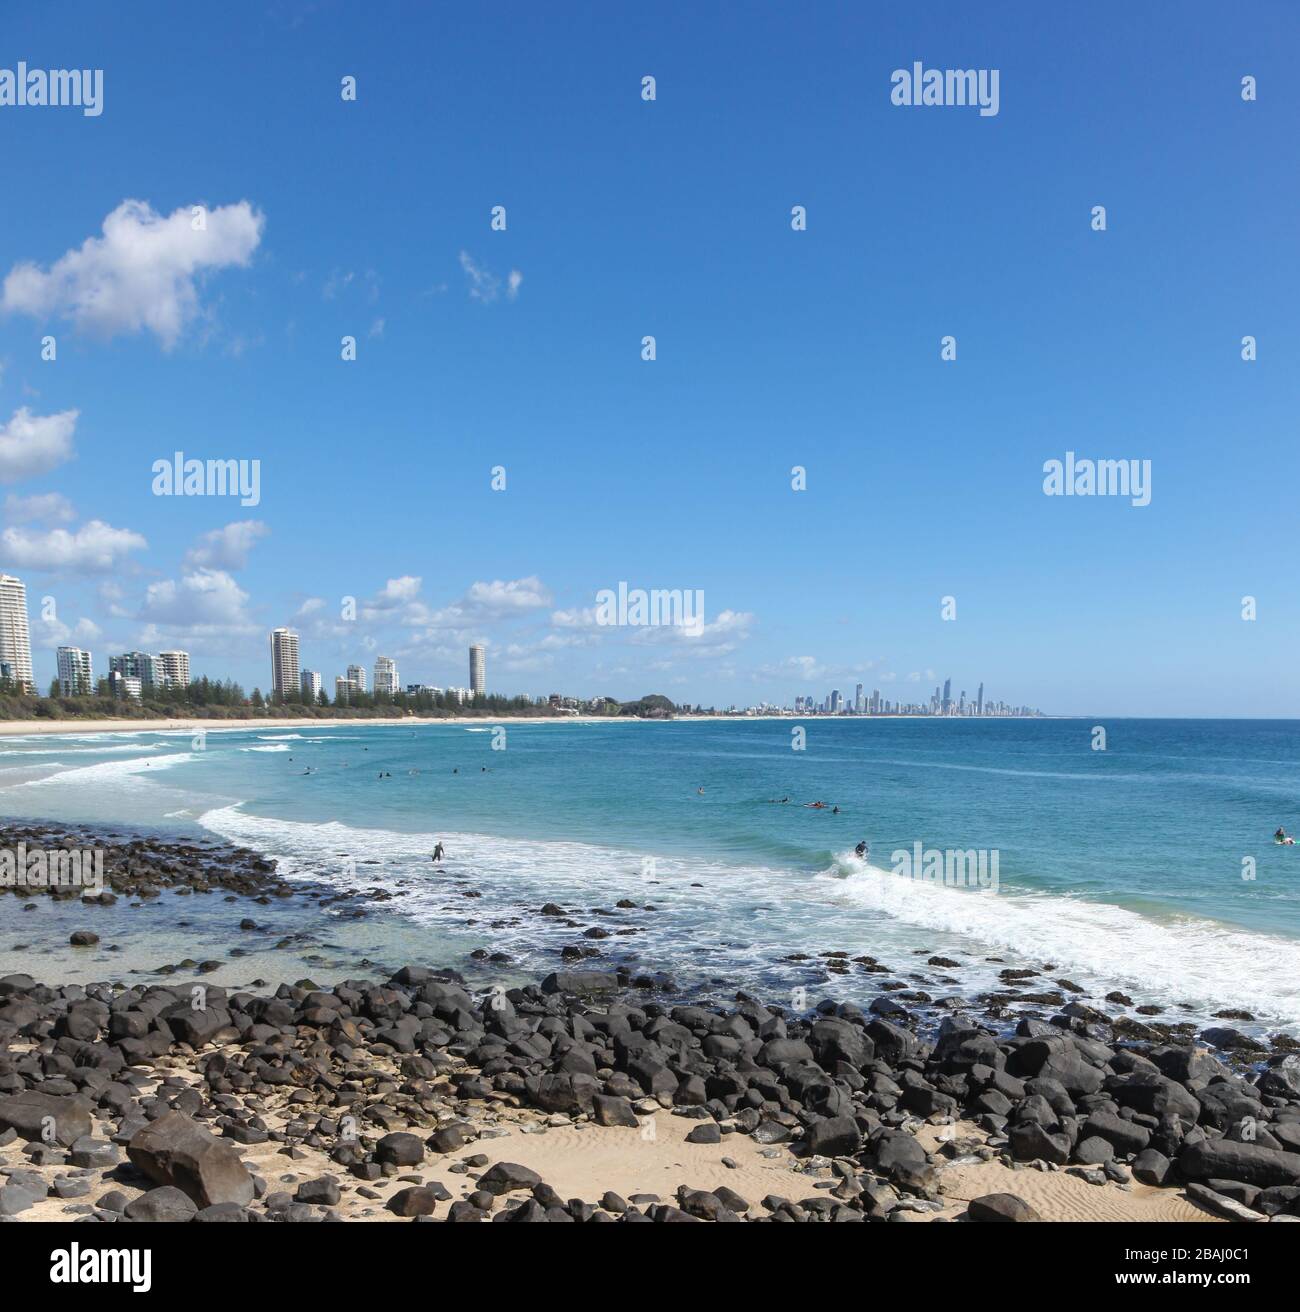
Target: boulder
{"points": [[46, 1117], [1000, 1207], [1251, 1163], [166, 1203], [507, 1176], [415, 1201], [175, 1150]]}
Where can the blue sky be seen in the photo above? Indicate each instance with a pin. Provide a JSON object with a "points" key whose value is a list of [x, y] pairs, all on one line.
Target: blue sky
{"points": [[775, 348]]}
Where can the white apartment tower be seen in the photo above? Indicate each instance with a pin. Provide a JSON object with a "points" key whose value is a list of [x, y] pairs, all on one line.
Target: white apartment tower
{"points": [[76, 678], [357, 677], [386, 675], [477, 670], [284, 663], [175, 668], [311, 685], [15, 640]]}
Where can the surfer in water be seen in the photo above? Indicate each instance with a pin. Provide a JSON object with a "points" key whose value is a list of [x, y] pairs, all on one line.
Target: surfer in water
{"points": [[861, 850], [1283, 837], [437, 854]]}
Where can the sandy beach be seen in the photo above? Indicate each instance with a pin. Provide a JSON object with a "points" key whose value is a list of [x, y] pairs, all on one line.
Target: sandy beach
{"points": [[21, 728]]}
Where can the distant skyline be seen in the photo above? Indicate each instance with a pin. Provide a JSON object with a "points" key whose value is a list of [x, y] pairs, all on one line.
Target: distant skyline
{"points": [[499, 452]]}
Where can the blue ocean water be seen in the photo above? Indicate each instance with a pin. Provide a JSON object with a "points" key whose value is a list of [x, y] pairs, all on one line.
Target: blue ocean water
{"points": [[1148, 866]]}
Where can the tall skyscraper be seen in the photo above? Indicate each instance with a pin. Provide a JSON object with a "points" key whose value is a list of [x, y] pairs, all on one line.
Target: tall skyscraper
{"points": [[310, 685], [15, 639], [979, 700], [175, 668], [386, 675], [284, 663], [858, 701], [357, 677], [477, 670], [947, 696], [76, 678]]}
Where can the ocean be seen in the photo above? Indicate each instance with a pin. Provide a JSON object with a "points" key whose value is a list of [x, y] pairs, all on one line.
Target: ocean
{"points": [[1147, 867]]}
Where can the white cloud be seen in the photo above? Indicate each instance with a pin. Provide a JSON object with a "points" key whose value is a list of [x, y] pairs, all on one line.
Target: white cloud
{"points": [[95, 547], [482, 603], [812, 669], [583, 617], [33, 444], [204, 602], [52, 632], [226, 548], [500, 598], [484, 285], [395, 593], [730, 625], [43, 508], [141, 274]]}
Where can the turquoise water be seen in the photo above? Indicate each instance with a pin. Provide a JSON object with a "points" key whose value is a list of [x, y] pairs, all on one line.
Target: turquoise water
{"points": [[1119, 868]]}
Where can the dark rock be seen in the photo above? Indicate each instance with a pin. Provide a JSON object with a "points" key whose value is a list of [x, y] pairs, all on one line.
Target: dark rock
{"points": [[1000, 1207], [176, 1150], [166, 1203]]}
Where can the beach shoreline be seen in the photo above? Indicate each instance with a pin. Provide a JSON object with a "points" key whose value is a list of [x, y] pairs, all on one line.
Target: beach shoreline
{"points": [[437, 1120], [392, 1094]]}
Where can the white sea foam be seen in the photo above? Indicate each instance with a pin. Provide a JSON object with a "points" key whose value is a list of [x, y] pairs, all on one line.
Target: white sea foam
{"points": [[113, 772], [736, 922], [269, 747], [1184, 958], [75, 751]]}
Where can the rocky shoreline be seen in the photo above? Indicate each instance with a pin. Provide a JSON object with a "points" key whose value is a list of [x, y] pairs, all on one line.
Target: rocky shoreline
{"points": [[194, 1103], [395, 1096]]}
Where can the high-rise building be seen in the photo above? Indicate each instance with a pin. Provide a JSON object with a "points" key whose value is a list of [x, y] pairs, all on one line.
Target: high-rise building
{"points": [[311, 685], [15, 639], [979, 700], [859, 704], [947, 696], [342, 690], [386, 675], [175, 668], [357, 677], [76, 678], [139, 665], [477, 670], [284, 663]]}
